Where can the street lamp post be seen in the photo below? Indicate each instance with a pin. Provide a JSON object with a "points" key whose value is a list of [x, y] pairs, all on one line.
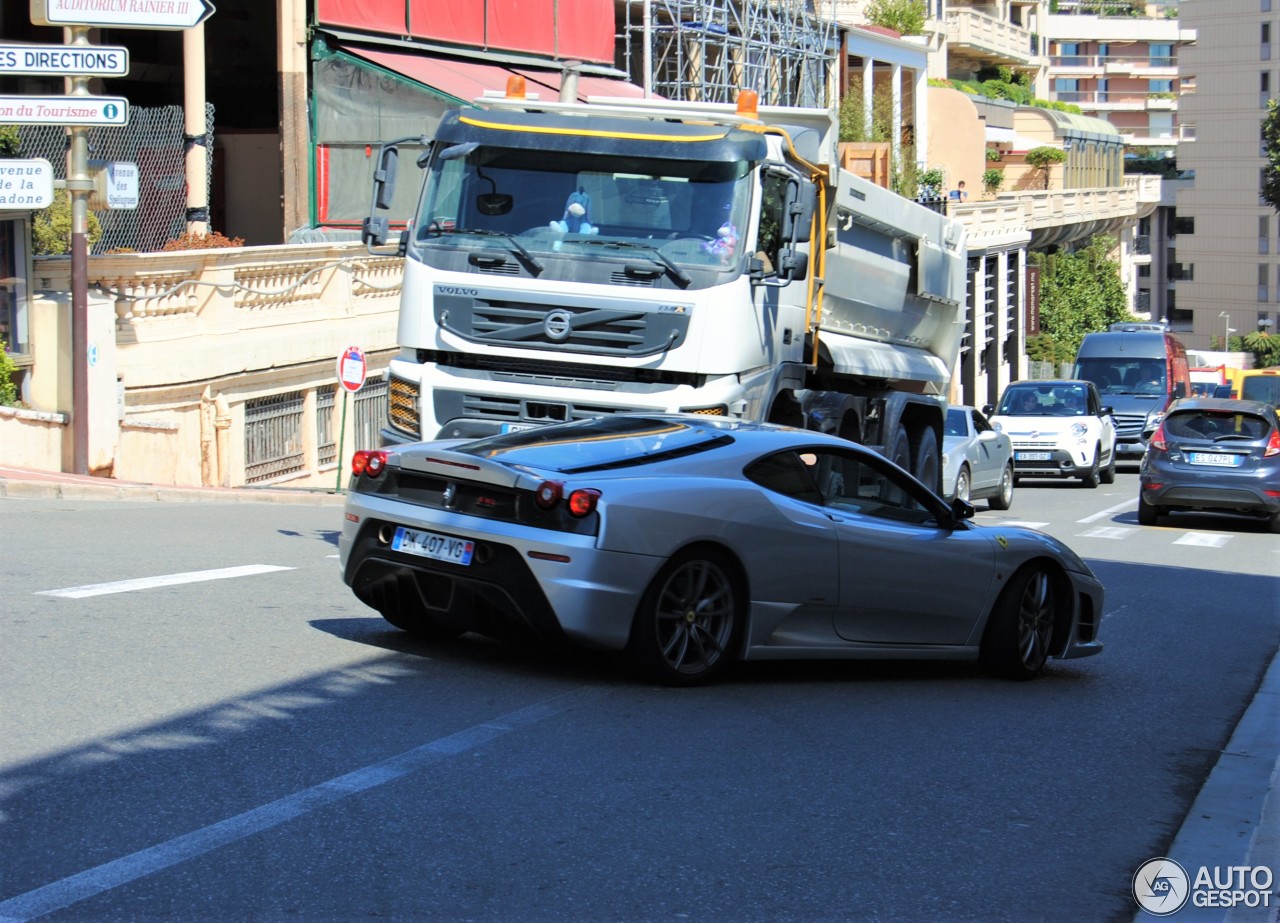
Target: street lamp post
{"points": [[1227, 330]]}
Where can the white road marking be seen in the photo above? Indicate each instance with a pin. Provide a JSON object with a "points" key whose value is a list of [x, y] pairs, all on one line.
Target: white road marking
{"points": [[122, 871], [1107, 512], [1204, 539], [1117, 532], [147, 583]]}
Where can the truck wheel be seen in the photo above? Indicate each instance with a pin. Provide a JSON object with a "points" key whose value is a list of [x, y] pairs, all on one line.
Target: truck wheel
{"points": [[926, 467], [900, 449]]}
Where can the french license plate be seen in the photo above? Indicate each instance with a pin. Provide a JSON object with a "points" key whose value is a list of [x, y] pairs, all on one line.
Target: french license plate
{"points": [[515, 427], [1215, 459], [1033, 456], [433, 546]]}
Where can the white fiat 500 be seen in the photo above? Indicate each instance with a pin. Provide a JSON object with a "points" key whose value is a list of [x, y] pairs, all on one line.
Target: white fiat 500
{"points": [[1059, 429]]}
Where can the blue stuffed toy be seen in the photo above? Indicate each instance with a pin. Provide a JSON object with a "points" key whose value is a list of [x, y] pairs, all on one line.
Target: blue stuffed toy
{"points": [[577, 215]]}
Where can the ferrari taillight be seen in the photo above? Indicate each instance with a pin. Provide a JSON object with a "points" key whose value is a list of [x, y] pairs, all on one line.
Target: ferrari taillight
{"points": [[368, 462], [548, 494], [582, 502]]}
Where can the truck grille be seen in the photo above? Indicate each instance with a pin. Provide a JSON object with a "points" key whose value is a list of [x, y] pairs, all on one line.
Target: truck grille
{"points": [[515, 409], [600, 330]]}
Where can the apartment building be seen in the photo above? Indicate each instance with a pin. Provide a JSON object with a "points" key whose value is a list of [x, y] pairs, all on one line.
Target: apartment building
{"points": [[1234, 253], [1120, 62]]}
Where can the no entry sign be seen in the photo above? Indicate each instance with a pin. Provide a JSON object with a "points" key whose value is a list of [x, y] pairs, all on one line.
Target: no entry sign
{"points": [[352, 368]]}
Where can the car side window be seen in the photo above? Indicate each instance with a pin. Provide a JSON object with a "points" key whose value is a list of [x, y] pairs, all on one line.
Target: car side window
{"points": [[857, 485], [784, 473]]}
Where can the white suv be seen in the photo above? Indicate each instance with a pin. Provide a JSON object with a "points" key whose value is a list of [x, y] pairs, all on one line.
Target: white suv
{"points": [[1059, 429]]}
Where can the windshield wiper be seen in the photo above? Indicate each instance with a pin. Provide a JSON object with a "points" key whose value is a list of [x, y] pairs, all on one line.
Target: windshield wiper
{"points": [[515, 246], [676, 272]]}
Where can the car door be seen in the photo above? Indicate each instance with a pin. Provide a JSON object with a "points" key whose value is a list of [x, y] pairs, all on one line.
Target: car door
{"points": [[904, 579], [1108, 436], [988, 462]]}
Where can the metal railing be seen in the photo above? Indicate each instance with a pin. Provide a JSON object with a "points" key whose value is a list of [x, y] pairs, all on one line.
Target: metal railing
{"points": [[326, 427], [370, 412], [273, 437]]}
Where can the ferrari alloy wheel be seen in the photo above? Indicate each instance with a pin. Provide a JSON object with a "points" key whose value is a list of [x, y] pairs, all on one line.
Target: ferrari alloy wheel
{"points": [[688, 620], [1016, 642]]}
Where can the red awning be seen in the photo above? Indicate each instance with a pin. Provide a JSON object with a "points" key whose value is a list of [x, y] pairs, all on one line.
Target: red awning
{"points": [[467, 80]]}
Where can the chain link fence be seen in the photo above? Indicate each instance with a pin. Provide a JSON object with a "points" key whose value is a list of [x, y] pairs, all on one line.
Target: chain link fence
{"points": [[154, 139]]}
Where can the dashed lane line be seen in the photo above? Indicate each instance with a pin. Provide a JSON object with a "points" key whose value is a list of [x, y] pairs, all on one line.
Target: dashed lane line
{"points": [[122, 871], [147, 583]]}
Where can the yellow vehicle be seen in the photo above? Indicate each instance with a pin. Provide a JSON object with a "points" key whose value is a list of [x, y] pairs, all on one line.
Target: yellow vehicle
{"points": [[1257, 385]]}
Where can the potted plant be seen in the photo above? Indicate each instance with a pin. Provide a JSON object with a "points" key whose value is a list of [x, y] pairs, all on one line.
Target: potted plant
{"points": [[992, 180], [1043, 158]]}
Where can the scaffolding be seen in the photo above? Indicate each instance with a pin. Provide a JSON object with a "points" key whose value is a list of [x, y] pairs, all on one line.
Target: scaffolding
{"points": [[707, 50]]}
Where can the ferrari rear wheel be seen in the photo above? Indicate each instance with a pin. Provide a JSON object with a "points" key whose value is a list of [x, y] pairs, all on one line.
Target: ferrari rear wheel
{"points": [[688, 620], [1015, 644]]}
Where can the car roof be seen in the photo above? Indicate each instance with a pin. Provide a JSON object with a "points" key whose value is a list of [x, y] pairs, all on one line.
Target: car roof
{"points": [[1222, 405]]}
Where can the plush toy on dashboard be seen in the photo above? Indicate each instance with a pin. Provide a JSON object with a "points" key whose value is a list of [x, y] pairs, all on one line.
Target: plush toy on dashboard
{"points": [[725, 242], [577, 215]]}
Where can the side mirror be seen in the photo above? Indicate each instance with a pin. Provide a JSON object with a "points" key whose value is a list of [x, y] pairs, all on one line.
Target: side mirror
{"points": [[797, 212], [988, 410], [373, 231], [793, 265], [1107, 411], [384, 177], [961, 510]]}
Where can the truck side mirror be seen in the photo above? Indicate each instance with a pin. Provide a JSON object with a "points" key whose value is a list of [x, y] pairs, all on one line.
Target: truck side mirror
{"points": [[793, 265], [384, 177], [373, 231], [797, 212]]}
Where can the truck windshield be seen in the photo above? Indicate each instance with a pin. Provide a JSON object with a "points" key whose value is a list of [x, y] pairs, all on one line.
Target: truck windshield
{"points": [[664, 212], [1121, 375]]}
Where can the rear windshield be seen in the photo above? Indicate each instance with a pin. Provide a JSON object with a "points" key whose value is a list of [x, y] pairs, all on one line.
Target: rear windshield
{"points": [[1216, 425], [590, 445], [1265, 388]]}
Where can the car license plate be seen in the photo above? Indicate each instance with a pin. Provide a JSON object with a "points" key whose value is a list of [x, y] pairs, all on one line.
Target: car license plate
{"points": [[1215, 459], [1032, 456], [515, 427], [431, 545]]}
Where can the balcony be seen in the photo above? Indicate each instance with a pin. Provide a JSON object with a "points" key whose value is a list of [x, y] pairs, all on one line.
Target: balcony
{"points": [[983, 40], [1054, 216]]}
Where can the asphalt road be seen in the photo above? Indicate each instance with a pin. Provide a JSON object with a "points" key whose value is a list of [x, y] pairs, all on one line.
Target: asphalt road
{"points": [[263, 747]]}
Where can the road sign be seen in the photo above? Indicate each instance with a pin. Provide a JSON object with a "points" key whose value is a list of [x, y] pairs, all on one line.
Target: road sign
{"points": [[64, 110], [352, 368], [138, 14], [26, 183], [65, 60], [115, 184]]}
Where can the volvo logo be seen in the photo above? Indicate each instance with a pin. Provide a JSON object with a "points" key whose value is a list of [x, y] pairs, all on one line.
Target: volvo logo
{"points": [[558, 325], [455, 290]]}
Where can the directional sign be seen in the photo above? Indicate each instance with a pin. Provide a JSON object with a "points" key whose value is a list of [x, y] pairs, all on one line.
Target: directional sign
{"points": [[64, 110], [137, 14], [352, 368], [65, 60], [26, 183]]}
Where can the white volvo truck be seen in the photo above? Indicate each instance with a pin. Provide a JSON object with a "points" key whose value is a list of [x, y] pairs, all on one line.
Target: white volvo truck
{"points": [[571, 259]]}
